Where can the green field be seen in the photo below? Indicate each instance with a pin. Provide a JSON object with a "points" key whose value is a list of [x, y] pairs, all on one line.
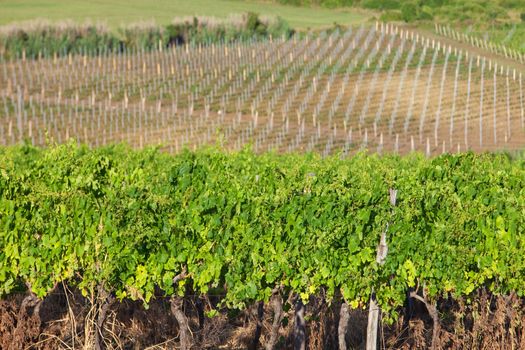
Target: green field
{"points": [[163, 11]]}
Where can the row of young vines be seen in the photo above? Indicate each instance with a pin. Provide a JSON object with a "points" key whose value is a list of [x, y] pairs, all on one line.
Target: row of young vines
{"points": [[118, 223]]}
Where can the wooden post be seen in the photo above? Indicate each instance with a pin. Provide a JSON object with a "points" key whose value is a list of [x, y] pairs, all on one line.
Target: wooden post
{"points": [[299, 326], [277, 305], [373, 313]]}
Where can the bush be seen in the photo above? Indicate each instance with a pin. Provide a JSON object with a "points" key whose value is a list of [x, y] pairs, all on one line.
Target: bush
{"points": [[409, 12], [512, 4], [425, 15], [324, 3], [254, 24], [144, 36], [280, 27], [37, 38], [391, 16], [480, 11], [435, 3], [44, 38], [522, 16], [337, 3], [381, 4]]}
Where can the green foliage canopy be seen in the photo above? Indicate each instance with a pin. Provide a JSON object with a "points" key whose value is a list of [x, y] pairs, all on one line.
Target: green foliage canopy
{"points": [[246, 224]]}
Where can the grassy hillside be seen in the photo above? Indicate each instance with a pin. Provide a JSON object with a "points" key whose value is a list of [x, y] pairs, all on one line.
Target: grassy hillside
{"points": [[163, 11]]}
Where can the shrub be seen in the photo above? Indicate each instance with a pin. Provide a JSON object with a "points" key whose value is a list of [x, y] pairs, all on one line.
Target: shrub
{"points": [[254, 24], [381, 4], [391, 16], [425, 15], [44, 38], [409, 11], [324, 3]]}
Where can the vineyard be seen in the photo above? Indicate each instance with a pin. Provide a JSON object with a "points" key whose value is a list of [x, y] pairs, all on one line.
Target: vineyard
{"points": [[264, 193], [379, 88], [139, 224]]}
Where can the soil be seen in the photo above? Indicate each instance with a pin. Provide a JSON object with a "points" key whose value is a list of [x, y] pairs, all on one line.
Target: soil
{"points": [[65, 319]]}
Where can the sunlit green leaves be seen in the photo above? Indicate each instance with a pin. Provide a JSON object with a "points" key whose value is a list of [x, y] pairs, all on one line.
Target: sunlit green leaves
{"points": [[245, 224]]}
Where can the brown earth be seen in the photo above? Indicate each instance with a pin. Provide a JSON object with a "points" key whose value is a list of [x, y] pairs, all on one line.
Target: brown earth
{"points": [[65, 320]]}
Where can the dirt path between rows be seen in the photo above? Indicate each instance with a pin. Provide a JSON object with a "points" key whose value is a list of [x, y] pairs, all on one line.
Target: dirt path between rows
{"points": [[473, 50]]}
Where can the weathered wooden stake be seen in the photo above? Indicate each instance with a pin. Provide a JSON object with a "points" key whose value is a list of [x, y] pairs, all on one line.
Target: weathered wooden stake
{"points": [[277, 306], [373, 313], [344, 317], [299, 326]]}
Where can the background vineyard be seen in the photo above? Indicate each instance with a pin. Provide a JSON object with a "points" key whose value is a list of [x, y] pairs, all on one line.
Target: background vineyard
{"points": [[382, 88]]}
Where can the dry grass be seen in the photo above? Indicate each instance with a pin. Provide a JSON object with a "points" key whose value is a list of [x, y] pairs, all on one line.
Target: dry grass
{"points": [[488, 322], [40, 25]]}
